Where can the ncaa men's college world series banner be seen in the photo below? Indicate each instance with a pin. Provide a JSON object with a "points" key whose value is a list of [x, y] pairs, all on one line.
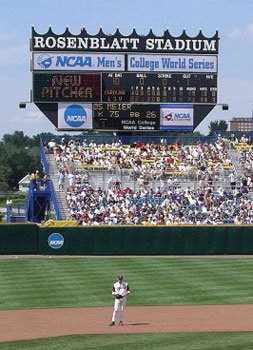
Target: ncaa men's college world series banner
{"points": [[78, 61], [74, 116], [173, 63], [176, 117]]}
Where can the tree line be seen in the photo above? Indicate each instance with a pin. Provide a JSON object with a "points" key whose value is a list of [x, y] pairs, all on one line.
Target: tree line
{"points": [[19, 155]]}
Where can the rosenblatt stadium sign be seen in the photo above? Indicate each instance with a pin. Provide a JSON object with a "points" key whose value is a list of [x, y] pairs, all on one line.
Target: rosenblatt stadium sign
{"points": [[118, 42]]}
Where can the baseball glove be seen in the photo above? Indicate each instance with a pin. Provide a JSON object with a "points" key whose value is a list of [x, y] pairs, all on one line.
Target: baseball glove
{"points": [[118, 296]]}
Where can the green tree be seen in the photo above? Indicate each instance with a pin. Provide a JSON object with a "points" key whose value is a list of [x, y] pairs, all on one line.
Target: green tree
{"points": [[19, 154], [35, 140], [17, 138], [217, 125]]}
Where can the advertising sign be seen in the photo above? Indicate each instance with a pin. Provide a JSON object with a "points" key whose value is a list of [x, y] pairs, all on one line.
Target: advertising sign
{"points": [[75, 116], [78, 61], [71, 87], [172, 63], [176, 117]]}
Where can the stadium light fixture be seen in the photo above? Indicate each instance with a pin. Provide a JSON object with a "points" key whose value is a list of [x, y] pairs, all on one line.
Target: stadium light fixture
{"points": [[224, 106], [23, 104]]}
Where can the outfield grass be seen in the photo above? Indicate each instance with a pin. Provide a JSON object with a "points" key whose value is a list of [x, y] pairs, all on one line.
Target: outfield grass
{"points": [[156, 341], [58, 282]]}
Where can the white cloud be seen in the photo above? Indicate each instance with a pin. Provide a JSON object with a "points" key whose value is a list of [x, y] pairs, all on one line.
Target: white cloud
{"points": [[243, 33]]}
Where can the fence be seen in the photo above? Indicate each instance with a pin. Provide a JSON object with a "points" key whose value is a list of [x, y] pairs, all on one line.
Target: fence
{"points": [[127, 240]]}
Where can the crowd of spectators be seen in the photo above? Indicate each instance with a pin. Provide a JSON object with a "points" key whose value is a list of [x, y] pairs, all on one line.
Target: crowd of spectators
{"points": [[149, 161], [117, 206], [38, 179], [165, 205]]}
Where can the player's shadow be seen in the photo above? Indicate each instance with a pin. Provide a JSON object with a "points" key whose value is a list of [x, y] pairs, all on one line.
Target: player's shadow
{"points": [[137, 324]]}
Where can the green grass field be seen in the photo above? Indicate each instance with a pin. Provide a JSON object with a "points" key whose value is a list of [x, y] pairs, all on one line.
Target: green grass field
{"points": [[155, 341], [72, 282], [57, 282]]}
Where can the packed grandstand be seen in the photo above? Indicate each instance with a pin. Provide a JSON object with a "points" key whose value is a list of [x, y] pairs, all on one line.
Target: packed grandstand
{"points": [[154, 182]]}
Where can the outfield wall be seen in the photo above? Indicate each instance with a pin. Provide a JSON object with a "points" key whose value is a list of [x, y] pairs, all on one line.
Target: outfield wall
{"points": [[19, 239], [125, 240]]}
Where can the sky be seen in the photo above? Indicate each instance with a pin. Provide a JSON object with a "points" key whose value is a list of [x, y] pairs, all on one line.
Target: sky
{"points": [[232, 18]]}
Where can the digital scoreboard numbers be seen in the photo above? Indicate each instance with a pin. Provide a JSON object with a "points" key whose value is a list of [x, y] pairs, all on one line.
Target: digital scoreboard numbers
{"points": [[60, 87], [126, 116], [159, 88]]}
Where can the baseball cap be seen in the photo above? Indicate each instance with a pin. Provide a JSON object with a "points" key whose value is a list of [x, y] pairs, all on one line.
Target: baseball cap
{"points": [[120, 277]]}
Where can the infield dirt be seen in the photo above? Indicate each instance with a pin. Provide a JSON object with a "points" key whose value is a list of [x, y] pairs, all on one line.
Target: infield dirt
{"points": [[41, 323]]}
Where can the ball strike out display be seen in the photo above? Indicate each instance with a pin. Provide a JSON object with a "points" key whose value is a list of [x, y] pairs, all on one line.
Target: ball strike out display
{"points": [[159, 88]]}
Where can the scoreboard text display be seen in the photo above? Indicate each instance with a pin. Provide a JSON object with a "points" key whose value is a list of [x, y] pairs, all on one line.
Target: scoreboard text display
{"points": [[159, 88], [126, 116], [56, 87]]}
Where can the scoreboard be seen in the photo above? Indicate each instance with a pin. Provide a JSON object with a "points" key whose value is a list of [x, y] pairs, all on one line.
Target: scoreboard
{"points": [[62, 87], [159, 88], [128, 83], [126, 116], [125, 87]]}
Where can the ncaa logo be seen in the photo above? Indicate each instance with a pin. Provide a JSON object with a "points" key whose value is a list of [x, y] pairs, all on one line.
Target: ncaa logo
{"points": [[75, 116], [168, 116], [44, 61], [55, 240]]}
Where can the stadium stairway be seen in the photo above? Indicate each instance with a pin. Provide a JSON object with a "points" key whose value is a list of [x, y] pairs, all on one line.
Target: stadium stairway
{"points": [[239, 168], [53, 173]]}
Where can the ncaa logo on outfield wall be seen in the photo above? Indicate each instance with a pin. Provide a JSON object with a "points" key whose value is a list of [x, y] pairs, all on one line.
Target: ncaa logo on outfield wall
{"points": [[55, 240]]}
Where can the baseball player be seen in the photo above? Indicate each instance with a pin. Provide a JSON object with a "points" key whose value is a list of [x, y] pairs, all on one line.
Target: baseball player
{"points": [[120, 290]]}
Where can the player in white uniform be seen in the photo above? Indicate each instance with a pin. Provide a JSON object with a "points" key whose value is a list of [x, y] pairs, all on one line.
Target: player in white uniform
{"points": [[120, 290]]}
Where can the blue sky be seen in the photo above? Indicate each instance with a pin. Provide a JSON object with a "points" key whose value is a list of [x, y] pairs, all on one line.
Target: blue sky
{"points": [[232, 18]]}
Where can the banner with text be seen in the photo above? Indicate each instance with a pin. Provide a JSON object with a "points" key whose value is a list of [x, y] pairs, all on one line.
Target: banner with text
{"points": [[176, 117], [172, 63], [78, 61]]}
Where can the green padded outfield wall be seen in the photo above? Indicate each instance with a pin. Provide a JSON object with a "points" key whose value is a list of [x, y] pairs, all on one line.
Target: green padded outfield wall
{"points": [[18, 239], [127, 240], [152, 240]]}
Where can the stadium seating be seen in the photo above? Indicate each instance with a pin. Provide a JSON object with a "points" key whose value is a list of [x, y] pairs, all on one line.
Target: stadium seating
{"points": [[155, 184]]}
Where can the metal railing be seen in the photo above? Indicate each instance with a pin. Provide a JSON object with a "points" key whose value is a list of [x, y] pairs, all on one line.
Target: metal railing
{"points": [[55, 201], [43, 158], [49, 183]]}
